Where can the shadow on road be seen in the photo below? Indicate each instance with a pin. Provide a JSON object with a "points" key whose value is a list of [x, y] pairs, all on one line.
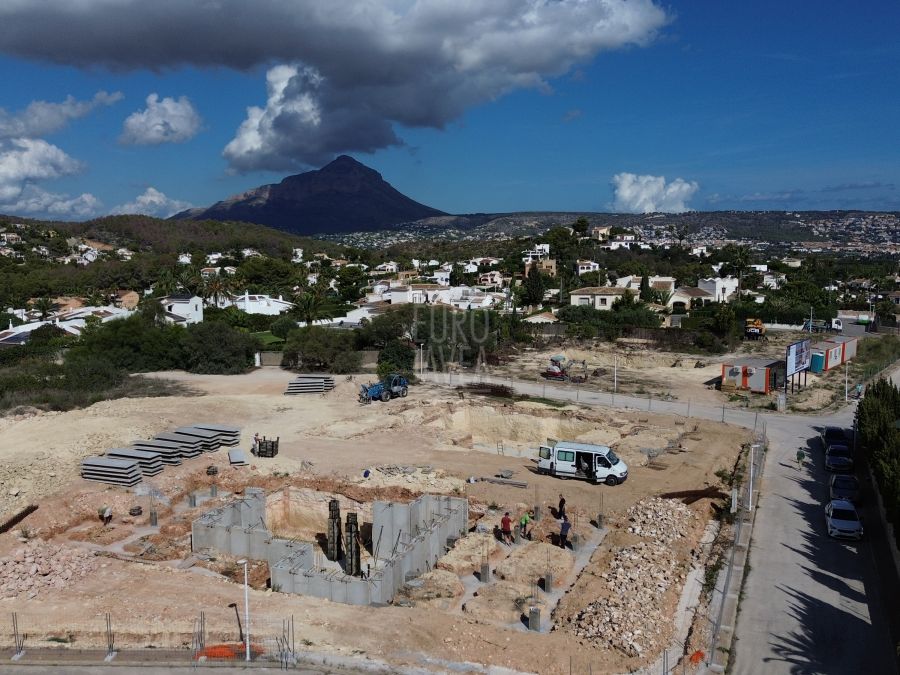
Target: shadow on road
{"points": [[835, 634]]}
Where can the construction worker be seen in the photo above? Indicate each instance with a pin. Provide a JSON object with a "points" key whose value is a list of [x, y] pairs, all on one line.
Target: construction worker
{"points": [[561, 510], [255, 449], [506, 529], [564, 532], [526, 518]]}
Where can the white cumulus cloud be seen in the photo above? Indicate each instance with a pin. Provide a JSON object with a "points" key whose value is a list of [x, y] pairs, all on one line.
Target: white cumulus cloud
{"points": [[355, 70], [23, 160], [166, 120], [36, 201], [153, 203], [42, 117], [651, 194]]}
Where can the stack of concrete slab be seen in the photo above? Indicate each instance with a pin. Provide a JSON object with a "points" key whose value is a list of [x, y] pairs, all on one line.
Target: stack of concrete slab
{"points": [[227, 436], [310, 383], [209, 440], [189, 446], [114, 471], [148, 461], [236, 457], [169, 451]]}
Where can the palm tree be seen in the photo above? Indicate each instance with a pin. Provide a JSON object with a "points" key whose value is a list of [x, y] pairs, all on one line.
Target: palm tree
{"points": [[190, 280], [311, 306], [217, 287], [95, 298], [740, 259], [44, 305], [166, 283]]}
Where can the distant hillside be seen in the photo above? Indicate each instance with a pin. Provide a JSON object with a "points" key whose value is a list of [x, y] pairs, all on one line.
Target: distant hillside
{"points": [[343, 196], [167, 236]]}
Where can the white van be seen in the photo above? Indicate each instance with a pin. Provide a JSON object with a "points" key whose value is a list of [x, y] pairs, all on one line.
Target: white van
{"points": [[583, 461]]}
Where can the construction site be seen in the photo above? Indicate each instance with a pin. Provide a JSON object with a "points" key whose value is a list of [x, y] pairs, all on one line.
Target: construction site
{"points": [[370, 535]]}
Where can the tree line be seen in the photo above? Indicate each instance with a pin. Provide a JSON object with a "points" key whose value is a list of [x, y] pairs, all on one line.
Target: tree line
{"points": [[877, 418]]}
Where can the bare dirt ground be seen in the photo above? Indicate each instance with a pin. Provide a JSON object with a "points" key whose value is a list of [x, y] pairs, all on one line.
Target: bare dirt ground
{"points": [[636, 367], [327, 442]]}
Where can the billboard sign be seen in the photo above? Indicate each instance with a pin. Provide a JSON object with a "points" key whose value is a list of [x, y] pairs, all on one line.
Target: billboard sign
{"points": [[798, 356]]}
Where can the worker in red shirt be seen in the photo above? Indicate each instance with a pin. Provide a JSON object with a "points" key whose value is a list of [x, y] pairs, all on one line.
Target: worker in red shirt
{"points": [[506, 529]]}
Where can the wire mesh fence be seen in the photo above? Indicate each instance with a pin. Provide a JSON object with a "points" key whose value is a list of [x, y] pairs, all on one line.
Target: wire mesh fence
{"points": [[213, 636]]}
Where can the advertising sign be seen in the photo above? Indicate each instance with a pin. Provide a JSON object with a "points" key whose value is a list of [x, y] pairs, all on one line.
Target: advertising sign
{"points": [[798, 356]]}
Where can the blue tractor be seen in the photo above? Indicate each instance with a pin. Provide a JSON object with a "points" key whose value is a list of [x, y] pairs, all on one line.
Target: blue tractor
{"points": [[391, 387]]}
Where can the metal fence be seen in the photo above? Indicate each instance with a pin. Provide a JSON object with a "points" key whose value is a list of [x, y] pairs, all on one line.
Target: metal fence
{"points": [[211, 637], [751, 418]]}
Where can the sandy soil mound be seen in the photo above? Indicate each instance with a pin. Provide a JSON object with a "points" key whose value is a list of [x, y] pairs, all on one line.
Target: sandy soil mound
{"points": [[437, 588], [503, 602], [531, 561], [466, 556]]}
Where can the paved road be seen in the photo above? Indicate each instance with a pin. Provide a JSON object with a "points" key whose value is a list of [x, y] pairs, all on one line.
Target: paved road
{"points": [[812, 605]]}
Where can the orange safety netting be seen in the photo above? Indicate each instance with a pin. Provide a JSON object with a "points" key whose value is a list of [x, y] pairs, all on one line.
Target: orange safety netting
{"points": [[229, 652]]}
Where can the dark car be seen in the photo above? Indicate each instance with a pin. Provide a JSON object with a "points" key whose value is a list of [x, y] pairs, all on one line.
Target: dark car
{"points": [[838, 458], [834, 436], [844, 487]]}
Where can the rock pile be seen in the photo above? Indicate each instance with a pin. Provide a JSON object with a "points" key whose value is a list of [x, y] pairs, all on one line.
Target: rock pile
{"points": [[38, 566], [631, 616]]}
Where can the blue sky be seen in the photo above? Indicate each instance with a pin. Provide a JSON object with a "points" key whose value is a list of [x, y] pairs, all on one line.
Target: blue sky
{"points": [[692, 105]]}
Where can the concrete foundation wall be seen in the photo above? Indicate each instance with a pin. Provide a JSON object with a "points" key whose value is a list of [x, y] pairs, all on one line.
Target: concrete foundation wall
{"points": [[413, 537]]}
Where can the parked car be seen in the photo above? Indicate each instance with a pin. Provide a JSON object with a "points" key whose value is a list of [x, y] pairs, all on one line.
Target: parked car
{"points": [[834, 436], [844, 487], [842, 520], [838, 458]]}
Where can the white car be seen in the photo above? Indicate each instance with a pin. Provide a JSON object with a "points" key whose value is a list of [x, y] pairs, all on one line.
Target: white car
{"points": [[842, 520]]}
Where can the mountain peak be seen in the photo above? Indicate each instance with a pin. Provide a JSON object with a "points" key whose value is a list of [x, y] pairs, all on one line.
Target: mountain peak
{"points": [[343, 196]]}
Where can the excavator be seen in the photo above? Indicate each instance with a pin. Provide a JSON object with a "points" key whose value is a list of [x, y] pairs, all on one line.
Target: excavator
{"points": [[754, 329], [560, 370]]}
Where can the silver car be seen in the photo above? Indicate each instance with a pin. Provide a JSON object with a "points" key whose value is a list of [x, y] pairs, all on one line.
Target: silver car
{"points": [[842, 520]]}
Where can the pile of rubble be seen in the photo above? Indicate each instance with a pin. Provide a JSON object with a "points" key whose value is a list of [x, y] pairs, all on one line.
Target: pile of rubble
{"points": [[631, 616], [38, 566]]}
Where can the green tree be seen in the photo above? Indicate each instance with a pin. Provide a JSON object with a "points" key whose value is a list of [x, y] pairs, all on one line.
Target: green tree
{"points": [[723, 319], [318, 348], [396, 357], [218, 287], [282, 326], [351, 281], [311, 306], [189, 279], [456, 275], [217, 348], [885, 312], [166, 283], [43, 306], [533, 288], [646, 293], [581, 226]]}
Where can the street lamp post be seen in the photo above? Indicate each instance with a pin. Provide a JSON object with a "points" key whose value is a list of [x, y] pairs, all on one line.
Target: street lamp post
{"points": [[846, 381], [237, 614], [246, 609]]}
